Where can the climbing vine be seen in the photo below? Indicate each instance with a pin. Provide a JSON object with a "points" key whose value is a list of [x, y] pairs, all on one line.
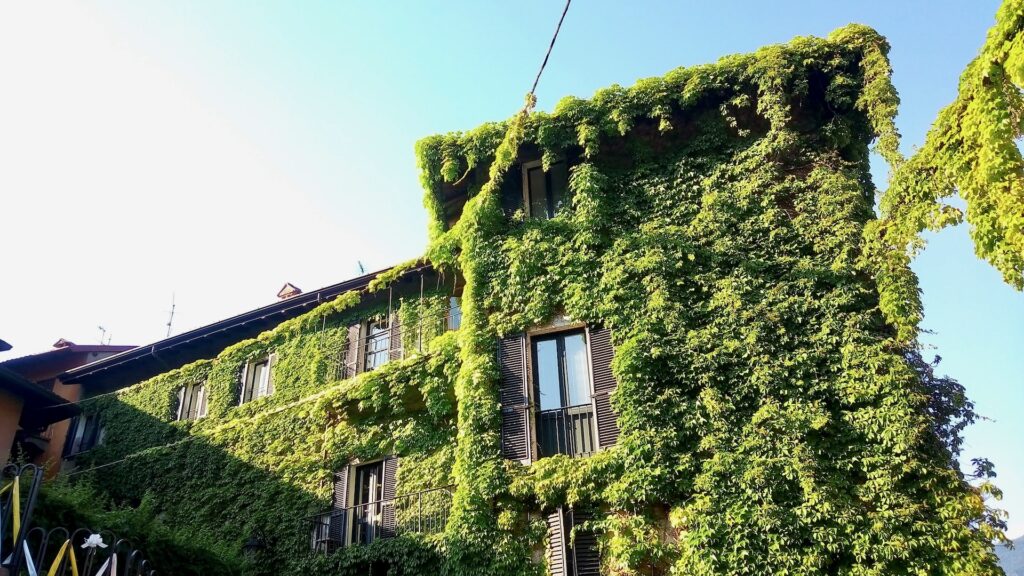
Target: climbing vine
{"points": [[775, 414], [721, 224], [264, 467], [971, 150]]}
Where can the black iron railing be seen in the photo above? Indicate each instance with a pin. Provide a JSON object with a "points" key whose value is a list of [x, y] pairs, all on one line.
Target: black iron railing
{"points": [[424, 512], [374, 351], [568, 430], [26, 548]]}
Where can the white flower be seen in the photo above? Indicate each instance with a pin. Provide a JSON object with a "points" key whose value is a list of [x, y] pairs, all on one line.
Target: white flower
{"points": [[93, 541]]}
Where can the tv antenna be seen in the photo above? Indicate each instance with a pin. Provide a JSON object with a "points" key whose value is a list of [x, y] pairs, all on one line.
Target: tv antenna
{"points": [[170, 320], [362, 269], [104, 338]]}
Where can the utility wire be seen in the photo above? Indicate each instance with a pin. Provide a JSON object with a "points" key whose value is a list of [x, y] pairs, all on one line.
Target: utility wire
{"points": [[531, 98]]}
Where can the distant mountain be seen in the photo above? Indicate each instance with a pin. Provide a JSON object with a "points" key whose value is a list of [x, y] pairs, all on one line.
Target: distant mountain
{"points": [[1012, 561]]}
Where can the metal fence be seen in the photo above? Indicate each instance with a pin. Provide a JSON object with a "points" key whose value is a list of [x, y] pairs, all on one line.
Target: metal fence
{"points": [[424, 512], [27, 550], [82, 551]]}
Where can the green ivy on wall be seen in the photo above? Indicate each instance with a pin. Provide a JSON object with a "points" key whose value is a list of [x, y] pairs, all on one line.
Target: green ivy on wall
{"points": [[265, 466], [721, 224], [776, 416]]}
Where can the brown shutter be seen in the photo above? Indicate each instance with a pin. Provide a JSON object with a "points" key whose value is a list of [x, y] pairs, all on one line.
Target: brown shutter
{"points": [[585, 559], [390, 485], [352, 355], [604, 384], [338, 522], [396, 336], [557, 533], [244, 390], [181, 402], [515, 430]]}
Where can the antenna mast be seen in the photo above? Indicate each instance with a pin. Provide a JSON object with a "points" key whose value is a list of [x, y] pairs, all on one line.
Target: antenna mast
{"points": [[170, 320]]}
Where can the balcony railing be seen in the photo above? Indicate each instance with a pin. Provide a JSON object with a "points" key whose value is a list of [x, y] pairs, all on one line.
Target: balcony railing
{"points": [[375, 351], [424, 512], [568, 430]]}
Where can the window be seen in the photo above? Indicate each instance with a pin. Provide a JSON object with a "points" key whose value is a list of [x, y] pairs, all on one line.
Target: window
{"points": [[454, 313], [378, 344], [368, 505], [85, 434], [561, 381], [191, 402], [256, 379], [545, 193]]}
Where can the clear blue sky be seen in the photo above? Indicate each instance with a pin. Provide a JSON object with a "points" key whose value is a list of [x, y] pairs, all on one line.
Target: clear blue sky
{"points": [[219, 149]]}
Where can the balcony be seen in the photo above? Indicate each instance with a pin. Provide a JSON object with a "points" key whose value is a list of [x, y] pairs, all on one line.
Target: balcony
{"points": [[423, 512], [568, 430]]}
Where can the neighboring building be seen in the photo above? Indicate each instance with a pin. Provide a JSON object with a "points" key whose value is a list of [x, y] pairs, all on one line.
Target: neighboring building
{"points": [[44, 446], [26, 411], [672, 360]]}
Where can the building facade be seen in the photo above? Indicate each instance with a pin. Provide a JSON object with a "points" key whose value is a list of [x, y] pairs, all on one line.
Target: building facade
{"points": [[649, 339], [43, 442]]}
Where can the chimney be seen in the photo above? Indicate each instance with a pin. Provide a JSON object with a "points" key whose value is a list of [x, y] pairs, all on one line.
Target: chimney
{"points": [[288, 290], [62, 343]]}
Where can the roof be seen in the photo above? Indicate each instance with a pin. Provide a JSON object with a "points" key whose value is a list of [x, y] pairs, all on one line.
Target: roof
{"points": [[144, 362], [58, 357], [4, 346], [41, 407]]}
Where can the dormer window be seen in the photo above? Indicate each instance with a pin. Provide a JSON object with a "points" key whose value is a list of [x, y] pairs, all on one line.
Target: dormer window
{"points": [[545, 192]]}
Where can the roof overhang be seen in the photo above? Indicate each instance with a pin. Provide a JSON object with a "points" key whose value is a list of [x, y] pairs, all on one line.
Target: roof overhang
{"points": [[144, 362], [39, 405]]}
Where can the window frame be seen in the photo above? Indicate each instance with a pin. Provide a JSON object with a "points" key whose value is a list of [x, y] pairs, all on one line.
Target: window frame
{"points": [[87, 432], [559, 327], [552, 211], [197, 405], [352, 534], [249, 385], [559, 336], [369, 336]]}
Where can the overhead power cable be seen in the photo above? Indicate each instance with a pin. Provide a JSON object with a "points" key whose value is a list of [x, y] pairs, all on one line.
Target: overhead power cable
{"points": [[531, 98]]}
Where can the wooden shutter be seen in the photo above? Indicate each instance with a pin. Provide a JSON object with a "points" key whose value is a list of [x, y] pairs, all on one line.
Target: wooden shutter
{"points": [[515, 427], [390, 485], [604, 384], [585, 559], [181, 402], [244, 389], [557, 536], [352, 355], [396, 336], [337, 528]]}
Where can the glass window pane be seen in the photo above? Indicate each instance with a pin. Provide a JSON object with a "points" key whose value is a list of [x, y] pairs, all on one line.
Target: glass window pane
{"points": [[559, 186], [454, 313], [538, 193], [259, 379], [378, 344], [577, 375], [547, 375]]}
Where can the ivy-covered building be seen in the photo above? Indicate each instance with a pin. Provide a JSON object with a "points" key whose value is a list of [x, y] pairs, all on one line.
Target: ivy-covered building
{"points": [[648, 336]]}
